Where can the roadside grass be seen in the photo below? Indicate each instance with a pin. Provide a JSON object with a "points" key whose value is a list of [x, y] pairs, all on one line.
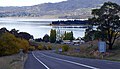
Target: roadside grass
{"points": [[12, 62], [86, 50], [116, 52], [90, 50]]}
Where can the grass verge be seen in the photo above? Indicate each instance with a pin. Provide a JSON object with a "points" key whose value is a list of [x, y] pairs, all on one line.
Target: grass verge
{"points": [[12, 62], [87, 50], [90, 50]]}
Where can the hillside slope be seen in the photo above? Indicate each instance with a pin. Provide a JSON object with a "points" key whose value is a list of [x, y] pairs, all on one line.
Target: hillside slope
{"points": [[66, 9]]}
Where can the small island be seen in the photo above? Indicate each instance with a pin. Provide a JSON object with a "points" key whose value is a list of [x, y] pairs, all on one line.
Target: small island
{"points": [[70, 22]]}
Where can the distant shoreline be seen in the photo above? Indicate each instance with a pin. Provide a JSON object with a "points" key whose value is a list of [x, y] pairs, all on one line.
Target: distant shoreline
{"points": [[28, 18], [40, 18]]}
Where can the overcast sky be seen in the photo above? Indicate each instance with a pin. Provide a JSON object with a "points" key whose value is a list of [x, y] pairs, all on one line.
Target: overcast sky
{"points": [[25, 2]]}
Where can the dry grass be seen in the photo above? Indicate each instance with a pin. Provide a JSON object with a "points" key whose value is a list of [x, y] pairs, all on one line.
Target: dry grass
{"points": [[116, 52], [12, 62], [90, 50]]}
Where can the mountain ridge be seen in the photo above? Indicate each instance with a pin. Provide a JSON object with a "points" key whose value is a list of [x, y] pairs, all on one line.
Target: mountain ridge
{"points": [[64, 9]]}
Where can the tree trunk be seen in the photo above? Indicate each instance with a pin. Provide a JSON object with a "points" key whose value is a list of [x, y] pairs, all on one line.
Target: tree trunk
{"points": [[110, 46]]}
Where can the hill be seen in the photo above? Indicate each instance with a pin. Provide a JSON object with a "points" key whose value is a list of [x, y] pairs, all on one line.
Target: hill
{"points": [[66, 9]]}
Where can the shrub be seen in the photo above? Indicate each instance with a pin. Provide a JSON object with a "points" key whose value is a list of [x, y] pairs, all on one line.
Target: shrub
{"points": [[40, 47], [24, 44], [65, 48], [49, 47], [31, 48], [9, 44]]}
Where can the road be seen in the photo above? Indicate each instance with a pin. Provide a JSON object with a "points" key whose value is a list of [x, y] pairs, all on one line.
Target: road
{"points": [[51, 60]]}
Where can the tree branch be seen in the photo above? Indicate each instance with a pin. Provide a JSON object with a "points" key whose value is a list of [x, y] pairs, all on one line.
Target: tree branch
{"points": [[115, 37]]}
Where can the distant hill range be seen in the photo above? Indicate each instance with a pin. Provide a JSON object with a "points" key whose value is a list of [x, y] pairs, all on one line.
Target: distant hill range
{"points": [[66, 9]]}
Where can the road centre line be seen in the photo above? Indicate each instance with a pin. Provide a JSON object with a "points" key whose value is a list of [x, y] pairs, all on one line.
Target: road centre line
{"points": [[40, 61], [87, 66]]}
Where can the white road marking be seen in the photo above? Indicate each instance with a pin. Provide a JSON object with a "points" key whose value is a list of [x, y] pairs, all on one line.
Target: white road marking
{"points": [[87, 66], [40, 61]]}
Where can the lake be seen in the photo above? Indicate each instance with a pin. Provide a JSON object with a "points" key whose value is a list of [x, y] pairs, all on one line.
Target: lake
{"points": [[38, 27]]}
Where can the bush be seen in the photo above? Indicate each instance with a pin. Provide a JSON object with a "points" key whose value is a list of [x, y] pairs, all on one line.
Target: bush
{"points": [[65, 48], [24, 44], [9, 44], [31, 48], [49, 47], [40, 47]]}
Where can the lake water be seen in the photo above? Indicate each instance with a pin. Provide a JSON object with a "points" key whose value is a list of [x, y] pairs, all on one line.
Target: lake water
{"points": [[37, 27]]}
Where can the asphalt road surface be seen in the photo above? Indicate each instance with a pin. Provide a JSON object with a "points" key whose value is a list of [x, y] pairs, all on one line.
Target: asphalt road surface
{"points": [[50, 60]]}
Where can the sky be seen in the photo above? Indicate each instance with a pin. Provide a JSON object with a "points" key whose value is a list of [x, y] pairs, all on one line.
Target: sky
{"points": [[25, 2]]}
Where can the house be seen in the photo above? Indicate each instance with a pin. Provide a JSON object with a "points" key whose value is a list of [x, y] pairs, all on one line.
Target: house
{"points": [[74, 42], [66, 42]]}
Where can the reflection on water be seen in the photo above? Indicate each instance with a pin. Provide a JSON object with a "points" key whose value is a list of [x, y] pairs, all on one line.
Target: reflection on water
{"points": [[37, 27]]}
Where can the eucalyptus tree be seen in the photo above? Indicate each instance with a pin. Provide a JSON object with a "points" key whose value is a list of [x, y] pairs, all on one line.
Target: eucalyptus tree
{"points": [[108, 21]]}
